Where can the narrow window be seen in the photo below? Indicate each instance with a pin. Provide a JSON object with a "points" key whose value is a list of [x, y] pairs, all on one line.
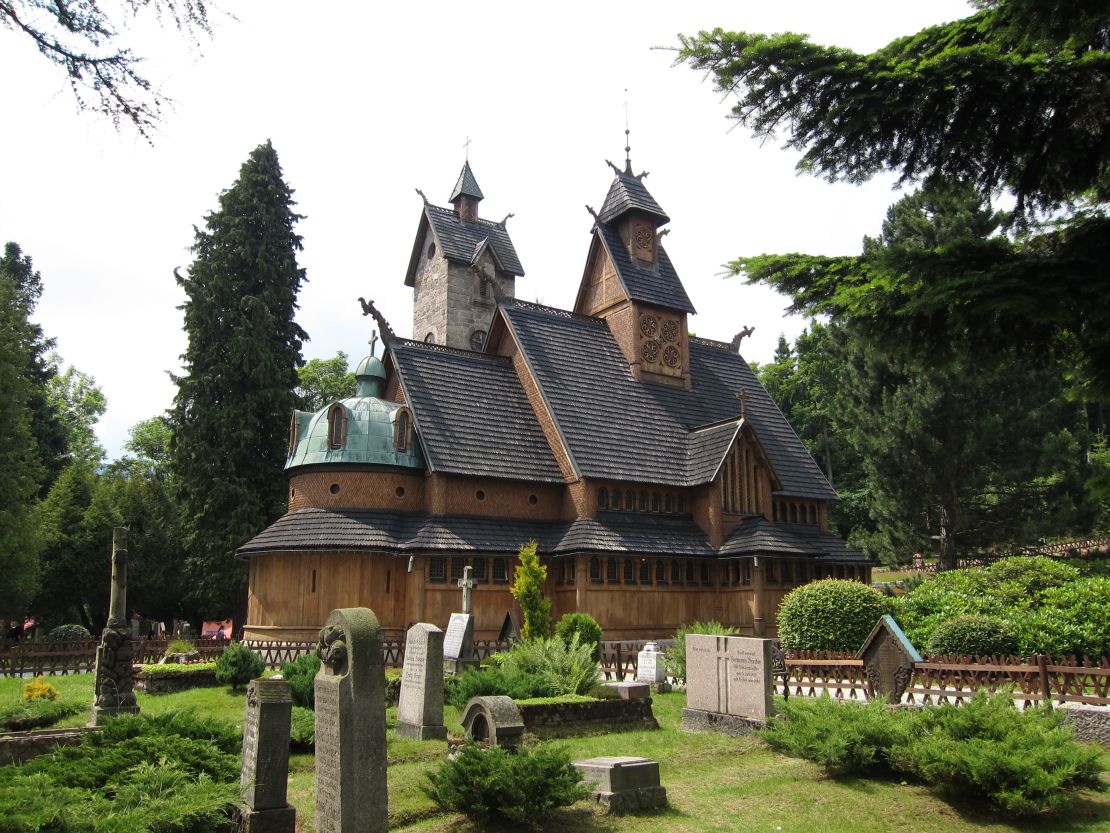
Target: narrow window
{"points": [[645, 571], [643, 502], [788, 572], [747, 575], [690, 572], [480, 569], [630, 500], [337, 426], [629, 571], [611, 571], [655, 506], [734, 573], [500, 572], [682, 504], [705, 577], [813, 513], [771, 570], [839, 571], [676, 572], [313, 581], [458, 567], [401, 430], [668, 503], [793, 513], [595, 570], [568, 570], [388, 580], [616, 498], [436, 569], [660, 571], [294, 431], [602, 498]]}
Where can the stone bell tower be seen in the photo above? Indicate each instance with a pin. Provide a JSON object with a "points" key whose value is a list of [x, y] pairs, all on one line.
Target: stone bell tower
{"points": [[461, 265]]}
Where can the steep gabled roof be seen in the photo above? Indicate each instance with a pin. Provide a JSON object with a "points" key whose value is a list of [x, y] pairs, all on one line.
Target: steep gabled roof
{"points": [[471, 414], [627, 193], [466, 186], [706, 448], [652, 283], [460, 241], [618, 427]]}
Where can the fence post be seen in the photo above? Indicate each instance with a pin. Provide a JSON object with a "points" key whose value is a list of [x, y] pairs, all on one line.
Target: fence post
{"points": [[1042, 670]]}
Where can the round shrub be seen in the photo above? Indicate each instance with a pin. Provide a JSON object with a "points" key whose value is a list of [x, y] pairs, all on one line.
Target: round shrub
{"points": [[974, 636], [587, 628], [238, 665], [68, 633], [829, 615], [1030, 575], [676, 654]]}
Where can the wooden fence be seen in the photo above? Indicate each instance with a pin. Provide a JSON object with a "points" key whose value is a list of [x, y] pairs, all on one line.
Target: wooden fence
{"points": [[79, 656]]}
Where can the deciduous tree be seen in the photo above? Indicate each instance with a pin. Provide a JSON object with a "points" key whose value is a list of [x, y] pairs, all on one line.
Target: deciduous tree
{"points": [[323, 381]]}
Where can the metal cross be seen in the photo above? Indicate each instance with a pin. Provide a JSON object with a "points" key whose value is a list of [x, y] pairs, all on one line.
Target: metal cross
{"points": [[467, 583], [466, 148], [373, 341]]}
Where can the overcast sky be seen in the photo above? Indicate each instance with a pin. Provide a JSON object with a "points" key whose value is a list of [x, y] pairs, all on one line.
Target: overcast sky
{"points": [[366, 102]]}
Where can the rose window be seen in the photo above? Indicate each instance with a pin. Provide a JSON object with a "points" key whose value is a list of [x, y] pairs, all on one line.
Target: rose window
{"points": [[649, 351], [670, 330], [670, 356], [649, 325]]}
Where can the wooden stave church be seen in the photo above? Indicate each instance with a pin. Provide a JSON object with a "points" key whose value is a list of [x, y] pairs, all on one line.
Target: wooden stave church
{"points": [[658, 478]]}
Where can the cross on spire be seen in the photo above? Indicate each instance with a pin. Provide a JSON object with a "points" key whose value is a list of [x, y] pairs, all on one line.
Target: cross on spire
{"points": [[466, 149], [373, 341]]}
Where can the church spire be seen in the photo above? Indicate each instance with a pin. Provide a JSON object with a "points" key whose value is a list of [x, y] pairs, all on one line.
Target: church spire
{"points": [[466, 194]]}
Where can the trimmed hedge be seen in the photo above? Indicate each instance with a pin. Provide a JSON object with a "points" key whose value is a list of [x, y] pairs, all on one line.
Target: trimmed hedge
{"points": [[829, 615], [587, 628], [974, 636]]}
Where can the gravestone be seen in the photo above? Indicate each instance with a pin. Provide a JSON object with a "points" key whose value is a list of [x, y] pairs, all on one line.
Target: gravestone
{"points": [[458, 644], [114, 691], [622, 784], [350, 725], [888, 660], [630, 691], [420, 705], [651, 668], [265, 773], [728, 683], [495, 720]]}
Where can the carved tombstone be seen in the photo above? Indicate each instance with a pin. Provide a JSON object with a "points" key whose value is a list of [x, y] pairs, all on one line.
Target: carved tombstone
{"points": [[728, 683], [458, 644], [114, 692], [350, 725], [493, 719], [888, 660], [420, 705], [265, 773], [651, 664]]}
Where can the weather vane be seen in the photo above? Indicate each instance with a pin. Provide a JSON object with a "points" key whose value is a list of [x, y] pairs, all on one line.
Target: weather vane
{"points": [[627, 142]]}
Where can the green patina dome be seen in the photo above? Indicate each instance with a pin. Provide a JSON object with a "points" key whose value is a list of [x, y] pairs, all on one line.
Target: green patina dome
{"points": [[369, 428]]}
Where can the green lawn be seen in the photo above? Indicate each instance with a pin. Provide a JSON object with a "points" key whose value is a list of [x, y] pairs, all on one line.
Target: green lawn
{"points": [[713, 782]]}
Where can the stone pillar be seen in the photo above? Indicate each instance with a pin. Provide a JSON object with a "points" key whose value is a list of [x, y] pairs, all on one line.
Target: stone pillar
{"points": [[114, 692], [265, 773], [759, 625], [420, 705], [350, 725]]}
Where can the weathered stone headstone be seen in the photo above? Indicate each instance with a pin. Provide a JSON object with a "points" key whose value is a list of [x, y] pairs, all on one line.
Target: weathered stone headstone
{"points": [[728, 682], [114, 692], [350, 725], [888, 660], [458, 644], [265, 773], [495, 720], [420, 705], [651, 668], [467, 583], [623, 784]]}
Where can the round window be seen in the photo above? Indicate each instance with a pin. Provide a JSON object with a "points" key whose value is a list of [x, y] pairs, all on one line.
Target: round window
{"points": [[431, 250], [533, 500], [480, 495], [334, 489], [399, 491]]}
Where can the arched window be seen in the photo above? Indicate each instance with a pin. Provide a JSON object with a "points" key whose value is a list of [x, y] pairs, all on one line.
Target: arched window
{"points": [[337, 426], [294, 431], [788, 572], [655, 502], [630, 500], [402, 430], [771, 572], [602, 498], [430, 338], [595, 570], [629, 571], [660, 571], [705, 577], [676, 572], [813, 513], [645, 571], [690, 572], [611, 571], [568, 570], [643, 502], [793, 513], [668, 503], [478, 339], [616, 498], [682, 504]]}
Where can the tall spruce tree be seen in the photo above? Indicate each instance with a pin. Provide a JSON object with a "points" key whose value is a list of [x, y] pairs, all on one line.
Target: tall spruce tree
{"points": [[231, 413]]}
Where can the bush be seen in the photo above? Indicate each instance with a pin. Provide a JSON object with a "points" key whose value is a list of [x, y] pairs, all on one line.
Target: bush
{"points": [[843, 737], [527, 589], [587, 628], [68, 633], [566, 668], [180, 646], [974, 636], [302, 730], [301, 676], [164, 669], [492, 785], [1022, 762], [238, 665], [38, 689], [676, 654], [488, 682], [829, 615], [35, 714], [1029, 576], [1072, 620]]}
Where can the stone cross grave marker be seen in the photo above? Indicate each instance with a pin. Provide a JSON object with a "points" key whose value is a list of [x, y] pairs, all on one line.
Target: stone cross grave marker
{"points": [[467, 583], [114, 688], [265, 773], [350, 725], [420, 705], [458, 644], [888, 659], [729, 675]]}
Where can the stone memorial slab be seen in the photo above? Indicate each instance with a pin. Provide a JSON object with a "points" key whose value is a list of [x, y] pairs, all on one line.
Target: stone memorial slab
{"points": [[630, 691], [495, 720], [623, 783], [114, 687], [888, 660], [420, 706], [651, 664], [458, 644], [730, 676], [350, 725], [265, 772]]}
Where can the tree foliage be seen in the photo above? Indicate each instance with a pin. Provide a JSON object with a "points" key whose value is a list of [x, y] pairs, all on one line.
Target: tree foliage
{"points": [[84, 40], [323, 381], [79, 403], [527, 589], [231, 413], [1011, 98]]}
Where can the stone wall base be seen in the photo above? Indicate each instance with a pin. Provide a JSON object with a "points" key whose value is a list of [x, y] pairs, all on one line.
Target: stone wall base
{"points": [[696, 720], [1091, 723], [279, 820], [411, 730], [19, 747], [631, 801], [561, 720]]}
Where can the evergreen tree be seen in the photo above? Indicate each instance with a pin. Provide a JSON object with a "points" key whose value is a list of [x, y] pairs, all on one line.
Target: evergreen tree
{"points": [[1010, 98], [231, 413]]}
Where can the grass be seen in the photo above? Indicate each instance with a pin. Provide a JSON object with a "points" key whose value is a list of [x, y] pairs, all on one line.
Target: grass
{"points": [[714, 783]]}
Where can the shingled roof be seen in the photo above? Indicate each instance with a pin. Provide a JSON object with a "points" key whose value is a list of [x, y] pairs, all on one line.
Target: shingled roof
{"points": [[460, 241], [652, 283], [627, 193], [471, 413], [758, 535], [618, 427], [466, 185]]}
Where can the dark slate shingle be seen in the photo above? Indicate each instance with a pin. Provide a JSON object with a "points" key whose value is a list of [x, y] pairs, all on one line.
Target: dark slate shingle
{"points": [[758, 535], [651, 283], [627, 193], [706, 448], [471, 413], [459, 239], [466, 185]]}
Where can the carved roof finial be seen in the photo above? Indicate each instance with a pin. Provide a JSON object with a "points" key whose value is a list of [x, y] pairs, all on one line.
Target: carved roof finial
{"points": [[388, 335], [740, 336], [421, 193]]}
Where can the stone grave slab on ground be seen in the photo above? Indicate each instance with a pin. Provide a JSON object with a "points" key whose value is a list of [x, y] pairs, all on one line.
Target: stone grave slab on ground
{"points": [[728, 683], [495, 720], [630, 691], [265, 773], [622, 784], [350, 725], [420, 705]]}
